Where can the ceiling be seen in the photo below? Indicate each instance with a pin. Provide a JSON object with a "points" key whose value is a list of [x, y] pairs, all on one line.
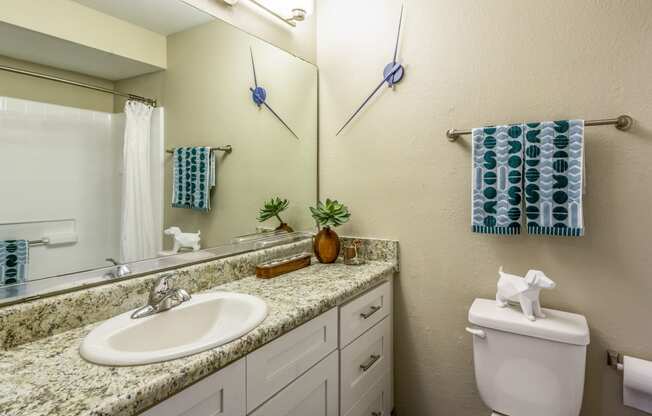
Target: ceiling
{"points": [[19, 43], [161, 16]]}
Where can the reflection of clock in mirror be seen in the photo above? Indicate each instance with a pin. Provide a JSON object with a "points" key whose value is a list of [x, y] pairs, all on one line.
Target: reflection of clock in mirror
{"points": [[259, 95], [392, 75]]}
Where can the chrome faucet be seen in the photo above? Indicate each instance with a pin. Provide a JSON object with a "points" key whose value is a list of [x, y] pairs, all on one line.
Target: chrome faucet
{"points": [[162, 297], [121, 270]]}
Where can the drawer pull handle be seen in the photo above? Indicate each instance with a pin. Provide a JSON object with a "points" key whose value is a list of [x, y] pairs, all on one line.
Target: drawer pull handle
{"points": [[366, 366], [373, 310], [376, 414]]}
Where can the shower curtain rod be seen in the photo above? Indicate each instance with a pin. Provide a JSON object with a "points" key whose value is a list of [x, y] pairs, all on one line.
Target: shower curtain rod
{"points": [[77, 84], [622, 122]]}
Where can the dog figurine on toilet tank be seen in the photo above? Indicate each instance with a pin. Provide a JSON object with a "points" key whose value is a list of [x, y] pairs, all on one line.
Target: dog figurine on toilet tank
{"points": [[524, 290]]}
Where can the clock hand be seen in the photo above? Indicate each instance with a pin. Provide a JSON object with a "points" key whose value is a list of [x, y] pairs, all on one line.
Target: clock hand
{"points": [[253, 66], [398, 35], [281, 120], [278, 117], [259, 94], [389, 75]]}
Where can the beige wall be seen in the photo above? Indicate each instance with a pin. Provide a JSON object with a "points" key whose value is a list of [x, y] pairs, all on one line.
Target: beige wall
{"points": [[300, 40], [148, 85], [470, 63], [208, 103], [29, 88], [67, 20]]}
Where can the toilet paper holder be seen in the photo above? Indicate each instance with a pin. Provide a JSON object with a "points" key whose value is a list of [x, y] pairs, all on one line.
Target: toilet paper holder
{"points": [[615, 360]]}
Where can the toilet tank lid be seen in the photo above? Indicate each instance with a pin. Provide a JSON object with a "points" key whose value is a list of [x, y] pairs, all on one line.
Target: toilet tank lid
{"points": [[569, 328]]}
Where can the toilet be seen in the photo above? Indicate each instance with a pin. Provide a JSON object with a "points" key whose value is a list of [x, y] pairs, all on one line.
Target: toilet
{"points": [[525, 368]]}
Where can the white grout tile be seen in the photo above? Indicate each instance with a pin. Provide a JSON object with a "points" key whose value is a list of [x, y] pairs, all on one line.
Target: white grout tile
{"points": [[36, 109], [14, 105]]}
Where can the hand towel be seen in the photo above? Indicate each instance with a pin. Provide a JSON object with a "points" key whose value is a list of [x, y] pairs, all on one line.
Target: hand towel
{"points": [[193, 177], [14, 258], [497, 179], [554, 167]]}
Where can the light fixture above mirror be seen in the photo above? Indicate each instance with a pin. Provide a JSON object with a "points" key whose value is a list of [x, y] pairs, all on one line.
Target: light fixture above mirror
{"points": [[289, 11]]}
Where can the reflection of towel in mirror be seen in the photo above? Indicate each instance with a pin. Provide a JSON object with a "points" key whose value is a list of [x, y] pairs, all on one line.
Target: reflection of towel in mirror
{"points": [[14, 256], [193, 177]]}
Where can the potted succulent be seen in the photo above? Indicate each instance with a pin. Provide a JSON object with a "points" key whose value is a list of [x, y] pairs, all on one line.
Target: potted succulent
{"points": [[328, 214], [273, 208]]}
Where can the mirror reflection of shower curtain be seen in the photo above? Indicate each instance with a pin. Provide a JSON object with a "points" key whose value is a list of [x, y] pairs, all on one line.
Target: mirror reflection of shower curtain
{"points": [[138, 234]]}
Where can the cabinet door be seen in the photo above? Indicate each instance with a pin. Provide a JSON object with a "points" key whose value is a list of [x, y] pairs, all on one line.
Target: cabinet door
{"points": [[278, 363], [363, 312], [313, 394], [220, 394], [377, 401], [364, 362]]}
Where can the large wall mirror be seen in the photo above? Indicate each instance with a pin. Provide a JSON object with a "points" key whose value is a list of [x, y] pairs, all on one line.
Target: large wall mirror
{"points": [[88, 175]]}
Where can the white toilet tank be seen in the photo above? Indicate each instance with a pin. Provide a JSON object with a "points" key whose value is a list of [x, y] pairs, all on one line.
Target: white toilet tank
{"points": [[526, 368]]}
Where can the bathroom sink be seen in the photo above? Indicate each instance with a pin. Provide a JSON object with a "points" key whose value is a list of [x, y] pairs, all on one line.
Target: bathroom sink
{"points": [[206, 321]]}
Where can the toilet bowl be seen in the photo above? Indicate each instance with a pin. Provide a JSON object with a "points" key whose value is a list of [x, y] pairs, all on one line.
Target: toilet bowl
{"points": [[525, 368]]}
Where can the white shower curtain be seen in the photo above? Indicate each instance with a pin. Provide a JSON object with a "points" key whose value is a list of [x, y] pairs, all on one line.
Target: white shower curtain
{"points": [[138, 234]]}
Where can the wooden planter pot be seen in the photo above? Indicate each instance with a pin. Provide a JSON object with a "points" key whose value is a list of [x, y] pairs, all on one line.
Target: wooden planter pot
{"points": [[326, 245]]}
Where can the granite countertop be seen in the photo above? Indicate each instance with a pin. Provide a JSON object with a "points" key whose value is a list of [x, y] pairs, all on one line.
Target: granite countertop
{"points": [[48, 376]]}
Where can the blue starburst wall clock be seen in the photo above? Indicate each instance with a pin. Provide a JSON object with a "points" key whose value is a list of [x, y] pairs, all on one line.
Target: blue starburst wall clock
{"points": [[392, 75], [259, 96]]}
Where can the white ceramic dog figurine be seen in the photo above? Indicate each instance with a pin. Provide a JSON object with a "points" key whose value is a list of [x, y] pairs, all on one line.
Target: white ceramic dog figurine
{"points": [[523, 290], [183, 240]]}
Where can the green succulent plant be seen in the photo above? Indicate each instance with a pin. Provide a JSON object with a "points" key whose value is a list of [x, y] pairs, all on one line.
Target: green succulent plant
{"points": [[331, 213], [273, 208]]}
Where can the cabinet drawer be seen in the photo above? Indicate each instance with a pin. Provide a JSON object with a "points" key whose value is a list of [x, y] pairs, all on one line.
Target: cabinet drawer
{"points": [[365, 361], [220, 394], [377, 401], [313, 394], [363, 312], [278, 363]]}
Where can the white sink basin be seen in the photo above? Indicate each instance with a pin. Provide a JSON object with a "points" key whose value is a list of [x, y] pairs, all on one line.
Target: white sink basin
{"points": [[206, 321]]}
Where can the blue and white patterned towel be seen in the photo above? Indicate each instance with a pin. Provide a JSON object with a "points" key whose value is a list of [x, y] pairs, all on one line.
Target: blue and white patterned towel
{"points": [[14, 258], [554, 163], [497, 179], [193, 177]]}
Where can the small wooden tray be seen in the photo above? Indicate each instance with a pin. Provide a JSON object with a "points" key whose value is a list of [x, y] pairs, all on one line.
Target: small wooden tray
{"points": [[281, 266]]}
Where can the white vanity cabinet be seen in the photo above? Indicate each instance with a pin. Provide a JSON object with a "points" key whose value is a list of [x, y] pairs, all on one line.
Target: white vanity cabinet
{"points": [[337, 364], [220, 394], [313, 394], [277, 364], [363, 312], [366, 359]]}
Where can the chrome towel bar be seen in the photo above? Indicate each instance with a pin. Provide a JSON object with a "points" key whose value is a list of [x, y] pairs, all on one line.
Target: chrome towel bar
{"points": [[622, 122], [226, 149]]}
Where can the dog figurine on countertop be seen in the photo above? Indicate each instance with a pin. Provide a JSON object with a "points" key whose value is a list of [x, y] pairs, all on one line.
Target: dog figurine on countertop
{"points": [[524, 290], [183, 240]]}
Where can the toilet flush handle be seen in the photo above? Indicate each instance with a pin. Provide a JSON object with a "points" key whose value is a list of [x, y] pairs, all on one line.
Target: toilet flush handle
{"points": [[476, 332]]}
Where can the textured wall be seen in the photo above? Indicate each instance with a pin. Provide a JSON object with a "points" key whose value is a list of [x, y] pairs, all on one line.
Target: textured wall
{"points": [[471, 63]]}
